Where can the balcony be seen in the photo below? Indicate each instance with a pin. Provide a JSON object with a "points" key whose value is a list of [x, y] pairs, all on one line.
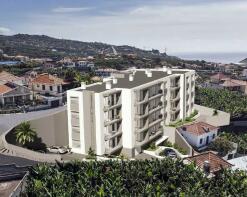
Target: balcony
{"points": [[112, 135], [109, 150], [143, 113], [149, 137], [115, 119]]}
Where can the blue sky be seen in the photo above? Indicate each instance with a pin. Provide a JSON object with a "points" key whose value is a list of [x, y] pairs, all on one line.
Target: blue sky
{"points": [[177, 25]]}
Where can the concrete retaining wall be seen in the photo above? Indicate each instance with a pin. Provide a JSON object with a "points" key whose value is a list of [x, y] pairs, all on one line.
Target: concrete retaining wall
{"points": [[53, 129], [181, 142], [206, 115]]}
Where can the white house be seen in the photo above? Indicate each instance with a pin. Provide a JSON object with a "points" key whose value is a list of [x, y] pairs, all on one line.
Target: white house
{"points": [[199, 134]]}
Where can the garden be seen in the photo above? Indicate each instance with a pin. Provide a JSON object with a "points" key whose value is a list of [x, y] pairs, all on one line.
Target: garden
{"points": [[165, 177], [224, 100]]}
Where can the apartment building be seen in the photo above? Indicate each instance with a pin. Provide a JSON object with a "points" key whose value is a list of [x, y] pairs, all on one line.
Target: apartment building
{"points": [[128, 111]]}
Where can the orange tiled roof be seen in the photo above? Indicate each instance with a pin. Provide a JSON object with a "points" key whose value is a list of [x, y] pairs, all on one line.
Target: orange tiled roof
{"points": [[5, 76], [198, 128], [4, 88], [48, 79], [215, 162], [219, 76]]}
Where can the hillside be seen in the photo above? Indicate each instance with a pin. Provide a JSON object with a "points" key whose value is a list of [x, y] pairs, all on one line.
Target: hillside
{"points": [[37, 46], [244, 61]]}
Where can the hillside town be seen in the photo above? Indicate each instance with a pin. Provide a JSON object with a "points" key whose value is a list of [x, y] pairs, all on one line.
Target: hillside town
{"points": [[78, 110], [123, 98]]}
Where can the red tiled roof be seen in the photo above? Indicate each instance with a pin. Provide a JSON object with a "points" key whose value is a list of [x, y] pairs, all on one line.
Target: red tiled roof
{"points": [[4, 88], [48, 79], [219, 76], [231, 83], [215, 162], [198, 128]]}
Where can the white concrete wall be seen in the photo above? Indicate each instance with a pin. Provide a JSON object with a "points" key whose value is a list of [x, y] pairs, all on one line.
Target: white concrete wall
{"points": [[99, 126], [47, 88], [128, 122], [194, 140]]}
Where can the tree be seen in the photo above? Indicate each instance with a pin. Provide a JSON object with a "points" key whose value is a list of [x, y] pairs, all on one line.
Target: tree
{"points": [[24, 133], [222, 145], [82, 78]]}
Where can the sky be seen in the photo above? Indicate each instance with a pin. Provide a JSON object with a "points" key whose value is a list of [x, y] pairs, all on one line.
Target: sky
{"points": [[177, 26]]}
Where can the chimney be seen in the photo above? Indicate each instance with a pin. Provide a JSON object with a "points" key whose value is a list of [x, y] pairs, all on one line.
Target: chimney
{"points": [[131, 77], [114, 80], [108, 85], [83, 85], [206, 167], [169, 71]]}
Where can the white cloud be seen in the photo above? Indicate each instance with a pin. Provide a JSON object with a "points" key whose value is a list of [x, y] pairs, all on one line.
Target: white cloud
{"points": [[5, 31], [215, 27], [70, 10]]}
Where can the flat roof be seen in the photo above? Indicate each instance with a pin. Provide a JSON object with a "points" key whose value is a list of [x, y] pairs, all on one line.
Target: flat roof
{"points": [[140, 78]]}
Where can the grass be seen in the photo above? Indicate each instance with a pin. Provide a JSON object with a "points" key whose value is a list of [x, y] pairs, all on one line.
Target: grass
{"points": [[189, 119]]}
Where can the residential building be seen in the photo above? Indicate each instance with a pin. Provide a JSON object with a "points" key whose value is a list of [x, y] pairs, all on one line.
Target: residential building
{"points": [[209, 162], [235, 85], [218, 78], [6, 76], [12, 94], [128, 111], [49, 88], [199, 134], [85, 65]]}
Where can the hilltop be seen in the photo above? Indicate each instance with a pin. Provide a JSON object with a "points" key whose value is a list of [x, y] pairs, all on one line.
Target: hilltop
{"points": [[37, 46]]}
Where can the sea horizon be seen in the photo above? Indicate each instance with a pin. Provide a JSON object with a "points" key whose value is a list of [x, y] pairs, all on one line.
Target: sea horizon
{"points": [[218, 57]]}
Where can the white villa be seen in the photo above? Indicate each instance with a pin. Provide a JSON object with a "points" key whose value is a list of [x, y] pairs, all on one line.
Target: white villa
{"points": [[199, 134]]}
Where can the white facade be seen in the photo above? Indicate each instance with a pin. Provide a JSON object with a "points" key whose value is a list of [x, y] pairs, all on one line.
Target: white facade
{"points": [[44, 88], [199, 140], [128, 112]]}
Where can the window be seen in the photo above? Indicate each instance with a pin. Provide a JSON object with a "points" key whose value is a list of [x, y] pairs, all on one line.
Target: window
{"points": [[43, 87], [51, 88], [37, 85], [213, 136], [58, 89], [201, 141]]}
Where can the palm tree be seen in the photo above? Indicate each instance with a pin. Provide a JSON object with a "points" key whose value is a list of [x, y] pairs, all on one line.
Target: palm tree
{"points": [[82, 78], [24, 133]]}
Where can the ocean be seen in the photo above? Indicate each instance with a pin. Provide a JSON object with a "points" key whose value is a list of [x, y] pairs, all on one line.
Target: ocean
{"points": [[213, 57]]}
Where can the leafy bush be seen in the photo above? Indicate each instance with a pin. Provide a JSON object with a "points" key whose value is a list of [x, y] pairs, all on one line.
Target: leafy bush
{"points": [[221, 145], [152, 147], [224, 100], [131, 178], [239, 138]]}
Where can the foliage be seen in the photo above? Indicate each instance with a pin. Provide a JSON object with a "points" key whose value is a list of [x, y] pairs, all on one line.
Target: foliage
{"points": [[189, 119], [24, 133], [180, 149], [224, 100], [91, 154], [165, 177], [152, 147], [240, 138], [221, 145]]}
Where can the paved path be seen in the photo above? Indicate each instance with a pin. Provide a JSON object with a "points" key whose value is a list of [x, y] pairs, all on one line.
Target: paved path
{"points": [[8, 121]]}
